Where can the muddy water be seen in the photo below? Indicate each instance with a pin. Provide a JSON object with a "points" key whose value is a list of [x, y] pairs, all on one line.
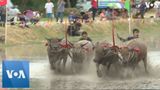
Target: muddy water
{"points": [[44, 78]]}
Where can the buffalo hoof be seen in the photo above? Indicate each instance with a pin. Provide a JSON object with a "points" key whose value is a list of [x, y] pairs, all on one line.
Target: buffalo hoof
{"points": [[99, 74], [52, 67]]}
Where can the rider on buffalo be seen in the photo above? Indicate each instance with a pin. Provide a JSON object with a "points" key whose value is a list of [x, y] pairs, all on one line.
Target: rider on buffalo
{"points": [[135, 36], [85, 36]]}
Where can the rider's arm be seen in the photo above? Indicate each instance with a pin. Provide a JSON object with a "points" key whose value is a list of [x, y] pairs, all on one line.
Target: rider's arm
{"points": [[122, 39], [130, 38]]}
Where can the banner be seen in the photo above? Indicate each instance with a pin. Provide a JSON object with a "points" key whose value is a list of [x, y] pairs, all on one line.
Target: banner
{"points": [[110, 3], [3, 2]]}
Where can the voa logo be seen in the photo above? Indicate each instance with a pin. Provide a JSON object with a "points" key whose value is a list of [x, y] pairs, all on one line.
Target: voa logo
{"points": [[13, 74]]}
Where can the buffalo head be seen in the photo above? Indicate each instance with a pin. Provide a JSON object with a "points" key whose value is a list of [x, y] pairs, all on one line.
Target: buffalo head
{"points": [[54, 44], [105, 51]]}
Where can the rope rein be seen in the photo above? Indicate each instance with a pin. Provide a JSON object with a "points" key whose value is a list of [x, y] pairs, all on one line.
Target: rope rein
{"points": [[133, 57]]}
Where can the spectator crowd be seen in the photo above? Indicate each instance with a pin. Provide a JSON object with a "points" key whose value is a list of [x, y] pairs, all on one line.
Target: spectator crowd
{"points": [[28, 17]]}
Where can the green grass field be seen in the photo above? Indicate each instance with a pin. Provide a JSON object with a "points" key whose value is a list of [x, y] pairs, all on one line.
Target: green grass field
{"points": [[97, 31]]}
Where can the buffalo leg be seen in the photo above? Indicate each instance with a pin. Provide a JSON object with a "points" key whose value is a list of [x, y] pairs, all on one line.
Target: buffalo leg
{"points": [[64, 62], [59, 64], [145, 64], [99, 74], [51, 61], [73, 67], [108, 66], [133, 67]]}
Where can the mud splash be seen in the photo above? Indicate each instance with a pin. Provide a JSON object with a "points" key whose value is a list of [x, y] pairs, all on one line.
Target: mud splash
{"points": [[44, 78]]}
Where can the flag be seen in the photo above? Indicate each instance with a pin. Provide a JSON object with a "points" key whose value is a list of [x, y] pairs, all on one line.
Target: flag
{"points": [[3, 2], [127, 6]]}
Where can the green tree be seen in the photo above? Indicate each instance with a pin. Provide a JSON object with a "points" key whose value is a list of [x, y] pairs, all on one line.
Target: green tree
{"points": [[39, 4]]}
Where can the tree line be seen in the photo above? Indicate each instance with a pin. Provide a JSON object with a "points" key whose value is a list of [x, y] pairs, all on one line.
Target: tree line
{"points": [[39, 4]]}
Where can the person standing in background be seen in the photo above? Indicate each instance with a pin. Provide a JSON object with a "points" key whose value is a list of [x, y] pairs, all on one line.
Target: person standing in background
{"points": [[49, 10], [94, 8], [142, 9], [158, 8], [60, 10]]}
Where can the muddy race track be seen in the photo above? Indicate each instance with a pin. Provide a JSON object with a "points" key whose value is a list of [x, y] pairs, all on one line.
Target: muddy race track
{"points": [[43, 78]]}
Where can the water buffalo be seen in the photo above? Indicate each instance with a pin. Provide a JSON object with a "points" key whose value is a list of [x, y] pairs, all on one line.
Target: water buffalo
{"points": [[81, 54], [57, 52], [106, 55], [133, 53], [86, 47]]}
